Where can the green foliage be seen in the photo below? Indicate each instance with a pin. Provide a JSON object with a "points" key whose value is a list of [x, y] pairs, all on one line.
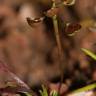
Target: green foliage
{"points": [[89, 53], [43, 92], [28, 94], [86, 88], [54, 93]]}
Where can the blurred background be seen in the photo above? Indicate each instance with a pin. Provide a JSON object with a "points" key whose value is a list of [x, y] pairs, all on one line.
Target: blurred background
{"points": [[31, 52]]}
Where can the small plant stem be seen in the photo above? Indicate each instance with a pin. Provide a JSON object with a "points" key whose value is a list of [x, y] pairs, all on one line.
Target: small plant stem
{"points": [[59, 45]]}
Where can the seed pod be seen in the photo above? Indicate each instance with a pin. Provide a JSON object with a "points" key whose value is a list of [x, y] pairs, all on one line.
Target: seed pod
{"points": [[69, 2], [72, 28], [31, 22]]}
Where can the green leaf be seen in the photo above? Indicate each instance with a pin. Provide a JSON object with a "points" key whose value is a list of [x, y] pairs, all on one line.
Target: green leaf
{"points": [[43, 92], [89, 53], [86, 88], [28, 94], [54, 93]]}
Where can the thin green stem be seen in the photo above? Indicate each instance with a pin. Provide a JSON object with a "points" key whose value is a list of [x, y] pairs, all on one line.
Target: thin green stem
{"points": [[59, 45]]}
